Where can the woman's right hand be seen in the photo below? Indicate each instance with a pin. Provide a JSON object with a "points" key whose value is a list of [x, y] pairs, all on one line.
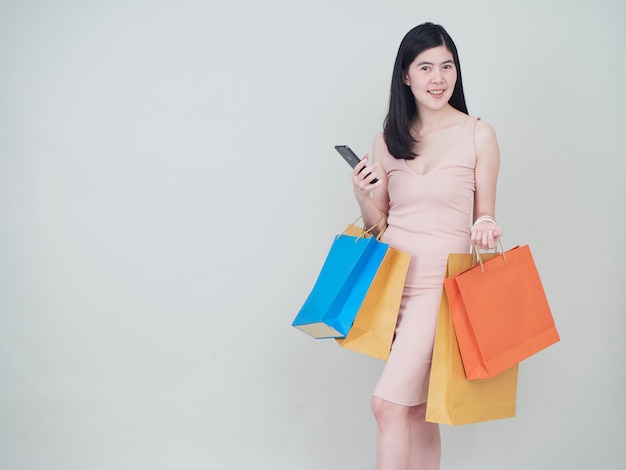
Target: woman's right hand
{"points": [[362, 178]]}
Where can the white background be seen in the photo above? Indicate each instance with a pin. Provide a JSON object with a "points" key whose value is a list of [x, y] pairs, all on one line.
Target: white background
{"points": [[169, 190]]}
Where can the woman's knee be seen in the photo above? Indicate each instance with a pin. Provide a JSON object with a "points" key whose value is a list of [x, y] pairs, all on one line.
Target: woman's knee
{"points": [[418, 412], [385, 411]]}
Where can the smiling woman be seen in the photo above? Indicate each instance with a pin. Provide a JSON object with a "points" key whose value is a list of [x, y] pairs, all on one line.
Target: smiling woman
{"points": [[435, 166]]}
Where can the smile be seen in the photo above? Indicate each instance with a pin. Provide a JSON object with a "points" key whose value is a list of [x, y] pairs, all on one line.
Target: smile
{"points": [[435, 92]]}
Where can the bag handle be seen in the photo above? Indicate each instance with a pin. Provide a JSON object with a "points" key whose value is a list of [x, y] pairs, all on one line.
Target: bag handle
{"points": [[368, 232], [476, 251]]}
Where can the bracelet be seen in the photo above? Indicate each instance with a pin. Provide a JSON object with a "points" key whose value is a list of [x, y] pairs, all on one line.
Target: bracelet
{"points": [[484, 218]]}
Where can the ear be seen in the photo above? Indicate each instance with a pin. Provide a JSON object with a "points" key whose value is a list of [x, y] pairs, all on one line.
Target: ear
{"points": [[405, 79]]}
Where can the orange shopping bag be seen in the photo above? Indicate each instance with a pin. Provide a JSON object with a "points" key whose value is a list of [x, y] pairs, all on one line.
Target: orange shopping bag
{"points": [[500, 313]]}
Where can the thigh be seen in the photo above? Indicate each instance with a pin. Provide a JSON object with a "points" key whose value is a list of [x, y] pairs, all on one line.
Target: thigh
{"points": [[404, 380]]}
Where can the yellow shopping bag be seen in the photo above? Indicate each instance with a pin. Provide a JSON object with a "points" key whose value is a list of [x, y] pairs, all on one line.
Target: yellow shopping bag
{"points": [[375, 322], [452, 398]]}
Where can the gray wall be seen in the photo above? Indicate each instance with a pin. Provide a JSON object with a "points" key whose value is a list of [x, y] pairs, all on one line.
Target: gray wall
{"points": [[169, 189]]}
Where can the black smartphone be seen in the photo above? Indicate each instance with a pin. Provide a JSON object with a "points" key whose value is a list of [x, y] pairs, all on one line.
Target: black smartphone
{"points": [[351, 157]]}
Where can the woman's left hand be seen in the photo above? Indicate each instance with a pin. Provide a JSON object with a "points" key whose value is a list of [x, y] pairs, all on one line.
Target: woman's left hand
{"points": [[485, 235]]}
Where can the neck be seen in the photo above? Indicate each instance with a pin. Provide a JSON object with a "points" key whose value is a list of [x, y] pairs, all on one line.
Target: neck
{"points": [[434, 119]]}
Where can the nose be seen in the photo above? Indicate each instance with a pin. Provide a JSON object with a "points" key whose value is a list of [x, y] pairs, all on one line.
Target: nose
{"points": [[437, 76]]}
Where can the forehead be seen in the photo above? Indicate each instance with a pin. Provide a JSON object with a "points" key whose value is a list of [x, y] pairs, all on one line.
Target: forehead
{"points": [[436, 55]]}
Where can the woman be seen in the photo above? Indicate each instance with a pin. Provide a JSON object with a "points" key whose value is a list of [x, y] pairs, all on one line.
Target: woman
{"points": [[436, 167]]}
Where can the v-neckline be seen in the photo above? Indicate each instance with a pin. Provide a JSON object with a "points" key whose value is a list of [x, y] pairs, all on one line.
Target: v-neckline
{"points": [[441, 160]]}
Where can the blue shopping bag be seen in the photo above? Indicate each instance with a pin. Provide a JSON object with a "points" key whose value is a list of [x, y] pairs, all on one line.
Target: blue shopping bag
{"points": [[346, 275]]}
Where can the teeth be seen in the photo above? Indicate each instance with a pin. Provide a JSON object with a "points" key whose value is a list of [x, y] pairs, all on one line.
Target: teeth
{"points": [[436, 92]]}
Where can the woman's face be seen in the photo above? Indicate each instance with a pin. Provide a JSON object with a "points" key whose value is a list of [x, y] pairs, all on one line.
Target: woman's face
{"points": [[432, 77]]}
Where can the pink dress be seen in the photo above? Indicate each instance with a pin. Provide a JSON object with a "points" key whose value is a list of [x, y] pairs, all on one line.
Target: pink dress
{"points": [[429, 218]]}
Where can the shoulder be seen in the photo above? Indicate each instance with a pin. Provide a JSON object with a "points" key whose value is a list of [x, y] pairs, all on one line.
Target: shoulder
{"points": [[484, 134], [379, 140], [485, 142], [381, 155], [379, 147]]}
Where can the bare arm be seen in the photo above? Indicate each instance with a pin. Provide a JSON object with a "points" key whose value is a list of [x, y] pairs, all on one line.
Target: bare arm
{"points": [[373, 199], [485, 233]]}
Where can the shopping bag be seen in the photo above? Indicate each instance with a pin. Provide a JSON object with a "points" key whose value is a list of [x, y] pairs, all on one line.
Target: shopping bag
{"points": [[375, 323], [340, 288], [500, 312], [452, 398]]}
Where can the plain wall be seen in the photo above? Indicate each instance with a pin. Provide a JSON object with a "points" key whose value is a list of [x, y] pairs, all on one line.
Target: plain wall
{"points": [[169, 190]]}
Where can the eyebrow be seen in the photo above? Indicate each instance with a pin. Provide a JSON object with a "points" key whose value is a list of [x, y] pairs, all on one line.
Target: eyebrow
{"points": [[425, 62]]}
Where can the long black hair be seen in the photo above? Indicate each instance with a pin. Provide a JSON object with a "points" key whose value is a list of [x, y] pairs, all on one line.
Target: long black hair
{"points": [[402, 108]]}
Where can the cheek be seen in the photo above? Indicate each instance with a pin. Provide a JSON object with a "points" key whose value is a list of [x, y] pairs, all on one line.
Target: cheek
{"points": [[419, 81], [452, 79]]}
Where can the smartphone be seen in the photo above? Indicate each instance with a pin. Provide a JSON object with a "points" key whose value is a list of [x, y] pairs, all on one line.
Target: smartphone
{"points": [[351, 157]]}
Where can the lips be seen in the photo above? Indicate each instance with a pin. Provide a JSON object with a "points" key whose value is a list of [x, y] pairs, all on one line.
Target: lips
{"points": [[436, 92]]}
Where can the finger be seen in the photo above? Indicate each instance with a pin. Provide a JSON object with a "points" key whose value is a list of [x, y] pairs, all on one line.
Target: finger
{"points": [[359, 166], [491, 240], [368, 175], [355, 173], [473, 236], [364, 183], [371, 185], [485, 239], [371, 172], [371, 169]]}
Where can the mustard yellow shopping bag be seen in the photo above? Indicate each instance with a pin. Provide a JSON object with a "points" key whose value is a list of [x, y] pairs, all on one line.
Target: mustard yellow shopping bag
{"points": [[452, 398], [375, 323]]}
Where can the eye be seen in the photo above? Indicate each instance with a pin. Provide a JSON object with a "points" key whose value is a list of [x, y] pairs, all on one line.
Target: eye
{"points": [[448, 67], [425, 68]]}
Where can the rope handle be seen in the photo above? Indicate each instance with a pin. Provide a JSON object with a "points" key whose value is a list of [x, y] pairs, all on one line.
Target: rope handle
{"points": [[476, 251], [368, 232]]}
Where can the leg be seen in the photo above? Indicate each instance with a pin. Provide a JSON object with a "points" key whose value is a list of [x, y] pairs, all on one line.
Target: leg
{"points": [[425, 440], [393, 449]]}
